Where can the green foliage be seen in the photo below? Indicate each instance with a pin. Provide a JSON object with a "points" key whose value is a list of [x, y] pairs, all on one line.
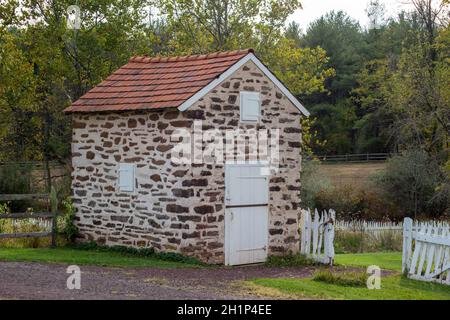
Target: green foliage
{"points": [[17, 100], [69, 229], [16, 179], [333, 126], [394, 77], [412, 181], [138, 252], [312, 183], [202, 26], [33, 92], [348, 242], [289, 261], [4, 208], [342, 39], [303, 70], [360, 204], [349, 279]]}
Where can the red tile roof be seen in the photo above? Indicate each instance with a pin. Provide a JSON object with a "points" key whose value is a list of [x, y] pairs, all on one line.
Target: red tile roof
{"points": [[153, 83]]}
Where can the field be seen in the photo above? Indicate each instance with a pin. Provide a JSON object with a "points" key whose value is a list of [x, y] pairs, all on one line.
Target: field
{"points": [[354, 174]]}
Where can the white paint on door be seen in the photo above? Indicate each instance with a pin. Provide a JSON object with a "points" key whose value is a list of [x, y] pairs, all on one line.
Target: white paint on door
{"points": [[246, 214]]}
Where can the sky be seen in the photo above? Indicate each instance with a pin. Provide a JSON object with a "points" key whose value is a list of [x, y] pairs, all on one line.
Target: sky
{"points": [[313, 9]]}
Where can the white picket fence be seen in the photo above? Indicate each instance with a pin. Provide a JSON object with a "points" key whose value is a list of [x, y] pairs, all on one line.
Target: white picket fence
{"points": [[317, 235], [366, 226], [426, 251]]}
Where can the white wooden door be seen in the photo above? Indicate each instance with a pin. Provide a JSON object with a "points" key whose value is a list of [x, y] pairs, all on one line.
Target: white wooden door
{"points": [[246, 214]]}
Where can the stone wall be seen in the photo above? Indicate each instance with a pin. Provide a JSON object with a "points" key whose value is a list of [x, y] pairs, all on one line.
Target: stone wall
{"points": [[179, 207]]}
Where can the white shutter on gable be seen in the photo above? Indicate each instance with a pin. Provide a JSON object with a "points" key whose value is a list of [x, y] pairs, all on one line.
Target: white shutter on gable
{"points": [[250, 106], [126, 177]]}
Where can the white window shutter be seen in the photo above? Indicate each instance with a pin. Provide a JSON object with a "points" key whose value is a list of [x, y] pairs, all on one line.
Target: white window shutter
{"points": [[126, 177], [250, 106]]}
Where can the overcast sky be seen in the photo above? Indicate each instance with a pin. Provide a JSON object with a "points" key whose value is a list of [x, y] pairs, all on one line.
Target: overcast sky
{"points": [[313, 9]]}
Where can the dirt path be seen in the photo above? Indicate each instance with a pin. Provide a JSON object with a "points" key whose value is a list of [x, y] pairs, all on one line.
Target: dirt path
{"points": [[24, 280]]}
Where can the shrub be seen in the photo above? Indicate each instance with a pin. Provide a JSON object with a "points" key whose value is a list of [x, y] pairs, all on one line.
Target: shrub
{"points": [[138, 252], [348, 242], [69, 229], [4, 208], [416, 182], [349, 279], [357, 204], [312, 183], [289, 261], [16, 179], [389, 240], [23, 225]]}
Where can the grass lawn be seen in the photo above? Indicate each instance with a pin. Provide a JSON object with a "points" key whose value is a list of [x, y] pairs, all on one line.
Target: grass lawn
{"points": [[85, 257], [392, 288], [385, 260]]}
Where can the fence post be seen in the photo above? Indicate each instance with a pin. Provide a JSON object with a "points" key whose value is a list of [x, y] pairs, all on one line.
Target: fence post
{"points": [[308, 232], [332, 220], [54, 210], [407, 243], [302, 230]]}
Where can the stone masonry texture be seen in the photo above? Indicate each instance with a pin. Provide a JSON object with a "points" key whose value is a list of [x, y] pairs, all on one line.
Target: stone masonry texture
{"points": [[180, 207]]}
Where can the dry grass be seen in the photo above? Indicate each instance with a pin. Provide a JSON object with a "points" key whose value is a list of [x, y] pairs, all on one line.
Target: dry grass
{"points": [[248, 288], [355, 174]]}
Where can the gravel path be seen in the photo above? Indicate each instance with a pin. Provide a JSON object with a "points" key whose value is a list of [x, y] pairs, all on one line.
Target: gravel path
{"points": [[25, 280]]}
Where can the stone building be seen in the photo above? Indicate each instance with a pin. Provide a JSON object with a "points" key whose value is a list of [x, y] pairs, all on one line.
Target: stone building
{"points": [[129, 188]]}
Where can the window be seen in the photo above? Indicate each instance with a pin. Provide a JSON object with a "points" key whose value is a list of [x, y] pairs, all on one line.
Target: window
{"points": [[250, 106], [126, 177]]}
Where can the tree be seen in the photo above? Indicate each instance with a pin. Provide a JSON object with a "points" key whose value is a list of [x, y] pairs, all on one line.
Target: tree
{"points": [[334, 127], [374, 118], [376, 11], [64, 64], [17, 101], [303, 70], [294, 32], [419, 101], [210, 25], [342, 39], [411, 181], [418, 89], [113, 30]]}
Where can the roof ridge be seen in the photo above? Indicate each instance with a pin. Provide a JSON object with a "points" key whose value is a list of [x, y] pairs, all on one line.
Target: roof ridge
{"points": [[145, 59]]}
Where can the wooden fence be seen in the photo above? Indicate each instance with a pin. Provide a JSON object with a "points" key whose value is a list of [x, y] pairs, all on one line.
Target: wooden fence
{"points": [[317, 235], [357, 157], [51, 213], [426, 251]]}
